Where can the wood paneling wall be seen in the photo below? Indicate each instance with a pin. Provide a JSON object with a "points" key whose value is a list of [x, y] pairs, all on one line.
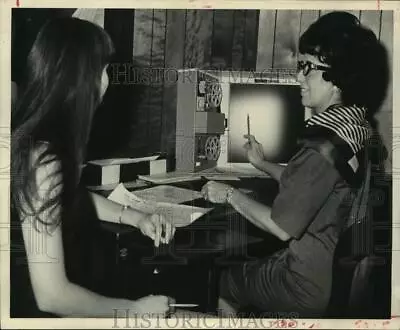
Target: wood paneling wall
{"points": [[172, 40], [219, 39]]}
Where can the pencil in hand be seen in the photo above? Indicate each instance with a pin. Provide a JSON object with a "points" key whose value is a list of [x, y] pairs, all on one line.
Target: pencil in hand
{"points": [[248, 125]]}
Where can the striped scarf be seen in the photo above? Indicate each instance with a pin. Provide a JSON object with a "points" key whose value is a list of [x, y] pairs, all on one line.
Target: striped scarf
{"points": [[349, 124]]}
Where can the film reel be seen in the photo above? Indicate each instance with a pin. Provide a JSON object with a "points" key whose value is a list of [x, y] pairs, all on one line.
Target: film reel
{"points": [[214, 94], [212, 148], [209, 147]]}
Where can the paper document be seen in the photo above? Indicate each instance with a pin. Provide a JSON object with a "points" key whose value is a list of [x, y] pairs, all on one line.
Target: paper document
{"points": [[131, 184], [168, 194], [221, 177], [170, 177], [241, 171], [179, 215], [120, 161]]}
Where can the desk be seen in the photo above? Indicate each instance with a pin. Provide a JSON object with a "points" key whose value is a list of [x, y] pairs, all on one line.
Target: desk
{"points": [[187, 268]]}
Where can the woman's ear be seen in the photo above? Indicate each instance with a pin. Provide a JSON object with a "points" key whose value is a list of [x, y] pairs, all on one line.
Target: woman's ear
{"points": [[337, 89], [337, 92]]}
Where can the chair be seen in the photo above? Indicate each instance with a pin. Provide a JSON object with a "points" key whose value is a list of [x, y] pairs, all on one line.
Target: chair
{"points": [[357, 272], [354, 289]]}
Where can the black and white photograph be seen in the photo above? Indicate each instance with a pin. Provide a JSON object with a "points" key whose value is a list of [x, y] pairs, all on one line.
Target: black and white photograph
{"points": [[200, 166]]}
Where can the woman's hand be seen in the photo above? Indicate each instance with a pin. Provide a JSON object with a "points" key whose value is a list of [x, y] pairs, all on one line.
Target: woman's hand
{"points": [[154, 305], [215, 192], [254, 150], [157, 227]]}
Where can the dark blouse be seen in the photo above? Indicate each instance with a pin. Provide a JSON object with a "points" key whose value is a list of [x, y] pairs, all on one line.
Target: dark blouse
{"points": [[312, 206]]}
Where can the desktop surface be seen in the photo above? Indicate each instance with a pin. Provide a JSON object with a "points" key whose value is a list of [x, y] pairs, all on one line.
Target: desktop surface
{"points": [[188, 267], [218, 173], [219, 233]]}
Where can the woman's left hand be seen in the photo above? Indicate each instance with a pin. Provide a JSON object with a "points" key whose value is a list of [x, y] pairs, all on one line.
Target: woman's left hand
{"points": [[158, 228], [215, 192]]}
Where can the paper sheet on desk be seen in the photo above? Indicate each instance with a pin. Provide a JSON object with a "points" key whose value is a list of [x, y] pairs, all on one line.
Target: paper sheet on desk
{"points": [[168, 194], [179, 215], [170, 177], [121, 161]]}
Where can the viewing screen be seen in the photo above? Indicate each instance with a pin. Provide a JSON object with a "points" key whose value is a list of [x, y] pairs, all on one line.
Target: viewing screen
{"points": [[276, 120]]}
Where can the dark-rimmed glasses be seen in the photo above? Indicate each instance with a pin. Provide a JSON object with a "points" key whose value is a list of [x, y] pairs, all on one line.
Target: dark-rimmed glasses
{"points": [[307, 66]]}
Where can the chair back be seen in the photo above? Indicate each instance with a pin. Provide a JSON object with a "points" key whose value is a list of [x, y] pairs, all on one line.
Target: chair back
{"points": [[354, 262]]}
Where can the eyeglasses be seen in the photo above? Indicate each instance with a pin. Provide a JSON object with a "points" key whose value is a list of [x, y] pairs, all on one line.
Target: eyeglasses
{"points": [[307, 66]]}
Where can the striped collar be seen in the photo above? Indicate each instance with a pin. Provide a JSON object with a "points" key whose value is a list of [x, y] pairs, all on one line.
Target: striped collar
{"points": [[348, 122], [347, 129]]}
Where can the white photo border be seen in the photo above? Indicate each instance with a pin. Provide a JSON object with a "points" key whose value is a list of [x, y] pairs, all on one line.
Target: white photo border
{"points": [[5, 101]]}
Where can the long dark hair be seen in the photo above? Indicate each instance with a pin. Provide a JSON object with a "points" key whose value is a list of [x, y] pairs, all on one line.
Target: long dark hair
{"points": [[60, 95]]}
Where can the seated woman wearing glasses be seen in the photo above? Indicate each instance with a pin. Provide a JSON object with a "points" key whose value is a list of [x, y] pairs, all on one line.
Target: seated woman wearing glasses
{"points": [[336, 74]]}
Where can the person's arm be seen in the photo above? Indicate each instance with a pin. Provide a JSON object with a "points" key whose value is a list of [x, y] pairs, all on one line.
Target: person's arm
{"points": [[53, 292], [111, 211], [311, 182], [153, 225], [255, 155], [257, 213], [273, 169]]}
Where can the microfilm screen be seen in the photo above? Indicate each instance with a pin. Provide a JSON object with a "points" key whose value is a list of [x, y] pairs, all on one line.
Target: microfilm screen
{"points": [[276, 119]]}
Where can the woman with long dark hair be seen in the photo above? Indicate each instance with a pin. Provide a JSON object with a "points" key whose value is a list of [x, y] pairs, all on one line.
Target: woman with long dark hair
{"points": [[66, 80]]}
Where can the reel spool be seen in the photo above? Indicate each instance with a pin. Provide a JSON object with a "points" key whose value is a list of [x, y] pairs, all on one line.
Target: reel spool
{"points": [[213, 94], [209, 147]]}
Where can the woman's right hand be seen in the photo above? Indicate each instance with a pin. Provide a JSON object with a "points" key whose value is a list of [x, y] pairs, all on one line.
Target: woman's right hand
{"points": [[254, 150], [154, 305], [157, 227]]}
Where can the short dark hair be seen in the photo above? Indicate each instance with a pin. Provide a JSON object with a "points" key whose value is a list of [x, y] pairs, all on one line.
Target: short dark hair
{"points": [[357, 59]]}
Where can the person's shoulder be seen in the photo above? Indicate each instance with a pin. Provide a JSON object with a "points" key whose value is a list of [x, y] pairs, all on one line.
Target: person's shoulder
{"points": [[315, 151], [321, 148], [332, 158], [315, 158], [311, 161]]}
